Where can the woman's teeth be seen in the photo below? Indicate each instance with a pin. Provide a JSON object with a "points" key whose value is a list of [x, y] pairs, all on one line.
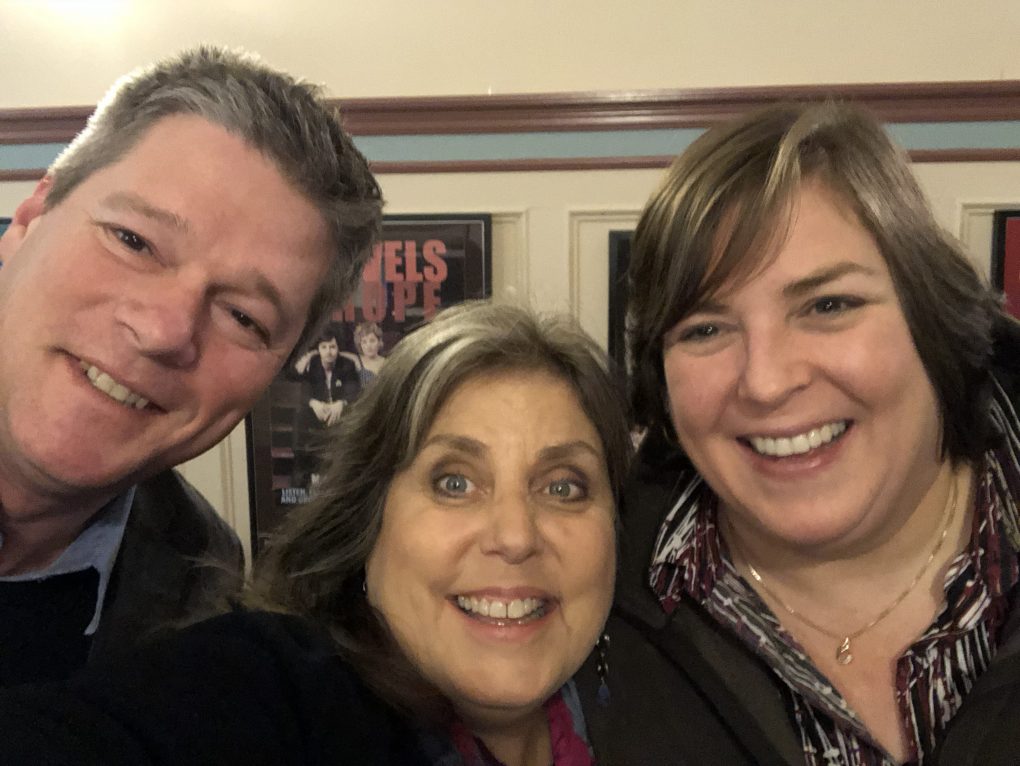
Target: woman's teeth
{"points": [[516, 609], [116, 391], [799, 444]]}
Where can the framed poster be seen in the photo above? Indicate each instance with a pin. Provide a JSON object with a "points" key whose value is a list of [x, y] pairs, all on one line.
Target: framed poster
{"points": [[1006, 257], [619, 260], [421, 264]]}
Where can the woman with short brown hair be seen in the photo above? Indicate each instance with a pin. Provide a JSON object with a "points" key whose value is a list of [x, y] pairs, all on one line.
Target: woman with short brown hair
{"points": [[822, 530]]}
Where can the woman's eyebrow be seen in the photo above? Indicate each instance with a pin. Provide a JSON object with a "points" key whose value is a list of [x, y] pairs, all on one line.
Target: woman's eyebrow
{"points": [[823, 276], [568, 449], [710, 305], [461, 443]]}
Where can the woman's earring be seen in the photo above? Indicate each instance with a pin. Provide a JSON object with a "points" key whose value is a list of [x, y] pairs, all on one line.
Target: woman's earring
{"points": [[364, 586], [602, 668]]}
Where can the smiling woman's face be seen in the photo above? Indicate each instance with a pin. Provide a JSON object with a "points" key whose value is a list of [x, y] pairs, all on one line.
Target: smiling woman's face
{"points": [[370, 345], [494, 566], [800, 395]]}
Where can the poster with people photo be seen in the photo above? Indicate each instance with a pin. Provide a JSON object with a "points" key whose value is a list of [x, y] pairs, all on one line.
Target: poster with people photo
{"points": [[421, 264]]}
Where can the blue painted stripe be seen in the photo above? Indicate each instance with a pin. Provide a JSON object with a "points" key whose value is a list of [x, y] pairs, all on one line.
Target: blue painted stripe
{"points": [[581, 144], [28, 156], [957, 135]]}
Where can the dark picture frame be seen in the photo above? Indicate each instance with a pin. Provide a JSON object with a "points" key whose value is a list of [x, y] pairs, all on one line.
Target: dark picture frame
{"points": [[1006, 257], [422, 263], [619, 262], [4, 223]]}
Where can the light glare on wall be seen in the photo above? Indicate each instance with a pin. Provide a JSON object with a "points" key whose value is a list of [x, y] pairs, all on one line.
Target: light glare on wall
{"points": [[84, 8]]}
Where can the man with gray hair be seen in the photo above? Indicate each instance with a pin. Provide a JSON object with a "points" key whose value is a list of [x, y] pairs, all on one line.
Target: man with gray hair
{"points": [[197, 230]]}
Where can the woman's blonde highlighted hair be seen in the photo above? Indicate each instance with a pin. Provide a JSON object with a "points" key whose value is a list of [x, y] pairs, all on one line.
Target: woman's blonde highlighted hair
{"points": [[315, 565], [723, 210]]}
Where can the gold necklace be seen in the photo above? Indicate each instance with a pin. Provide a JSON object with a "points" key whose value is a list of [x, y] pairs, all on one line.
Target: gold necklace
{"points": [[844, 656]]}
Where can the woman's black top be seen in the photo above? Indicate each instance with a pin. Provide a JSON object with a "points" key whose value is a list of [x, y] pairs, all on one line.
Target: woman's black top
{"points": [[242, 688]]}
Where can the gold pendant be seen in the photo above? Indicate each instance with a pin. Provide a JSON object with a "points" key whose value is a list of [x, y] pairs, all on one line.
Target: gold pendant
{"points": [[843, 655]]}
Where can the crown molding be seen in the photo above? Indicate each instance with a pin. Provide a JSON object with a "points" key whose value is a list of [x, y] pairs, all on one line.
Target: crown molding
{"points": [[598, 110], [664, 109]]}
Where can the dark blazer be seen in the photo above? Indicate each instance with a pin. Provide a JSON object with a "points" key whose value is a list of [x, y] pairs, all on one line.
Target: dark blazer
{"points": [[250, 689], [344, 383], [682, 690], [685, 691], [176, 555]]}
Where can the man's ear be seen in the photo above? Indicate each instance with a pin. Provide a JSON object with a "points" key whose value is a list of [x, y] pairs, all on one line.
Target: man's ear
{"points": [[26, 214]]}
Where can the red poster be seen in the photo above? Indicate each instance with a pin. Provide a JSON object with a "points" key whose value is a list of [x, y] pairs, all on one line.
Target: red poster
{"points": [[421, 264], [1008, 277]]}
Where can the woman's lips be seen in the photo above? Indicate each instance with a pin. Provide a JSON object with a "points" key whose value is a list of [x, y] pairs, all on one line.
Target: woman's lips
{"points": [[499, 609], [506, 608], [799, 444]]}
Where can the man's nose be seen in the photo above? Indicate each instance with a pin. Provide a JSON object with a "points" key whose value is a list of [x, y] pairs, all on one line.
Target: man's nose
{"points": [[163, 319]]}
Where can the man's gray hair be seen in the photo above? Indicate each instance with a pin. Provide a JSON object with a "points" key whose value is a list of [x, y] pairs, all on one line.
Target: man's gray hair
{"points": [[285, 119]]}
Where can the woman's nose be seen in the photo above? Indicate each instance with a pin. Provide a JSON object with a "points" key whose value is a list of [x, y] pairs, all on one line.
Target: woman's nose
{"points": [[775, 366], [511, 530]]}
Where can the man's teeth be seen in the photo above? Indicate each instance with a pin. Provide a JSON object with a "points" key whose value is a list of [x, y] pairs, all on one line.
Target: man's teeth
{"points": [[515, 609], [799, 444], [116, 391]]}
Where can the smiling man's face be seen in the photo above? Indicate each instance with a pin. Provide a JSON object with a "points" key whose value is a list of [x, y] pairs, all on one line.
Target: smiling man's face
{"points": [[143, 315]]}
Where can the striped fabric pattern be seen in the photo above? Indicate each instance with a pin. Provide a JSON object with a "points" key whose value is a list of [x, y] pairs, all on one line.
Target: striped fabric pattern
{"points": [[933, 676]]}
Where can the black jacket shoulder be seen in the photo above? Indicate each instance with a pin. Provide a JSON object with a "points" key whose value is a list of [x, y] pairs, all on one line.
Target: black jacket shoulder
{"points": [[177, 559], [243, 688]]}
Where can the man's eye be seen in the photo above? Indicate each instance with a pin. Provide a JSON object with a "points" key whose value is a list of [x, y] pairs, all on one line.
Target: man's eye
{"points": [[248, 323], [453, 484], [130, 240]]}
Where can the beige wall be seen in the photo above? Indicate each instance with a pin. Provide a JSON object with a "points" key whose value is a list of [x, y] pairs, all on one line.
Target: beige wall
{"points": [[68, 51], [550, 229], [550, 246]]}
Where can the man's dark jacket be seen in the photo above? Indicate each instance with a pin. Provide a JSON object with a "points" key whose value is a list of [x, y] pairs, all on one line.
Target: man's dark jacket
{"points": [[177, 556], [685, 691], [175, 559]]}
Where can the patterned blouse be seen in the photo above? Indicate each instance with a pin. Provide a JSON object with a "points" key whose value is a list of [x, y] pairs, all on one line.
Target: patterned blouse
{"points": [[934, 674]]}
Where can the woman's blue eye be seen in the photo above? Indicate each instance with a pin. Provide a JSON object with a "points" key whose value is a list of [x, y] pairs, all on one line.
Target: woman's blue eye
{"points": [[453, 484], [566, 489]]}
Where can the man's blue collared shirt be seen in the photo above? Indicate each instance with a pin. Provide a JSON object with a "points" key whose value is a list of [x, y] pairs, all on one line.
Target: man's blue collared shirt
{"points": [[96, 548]]}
